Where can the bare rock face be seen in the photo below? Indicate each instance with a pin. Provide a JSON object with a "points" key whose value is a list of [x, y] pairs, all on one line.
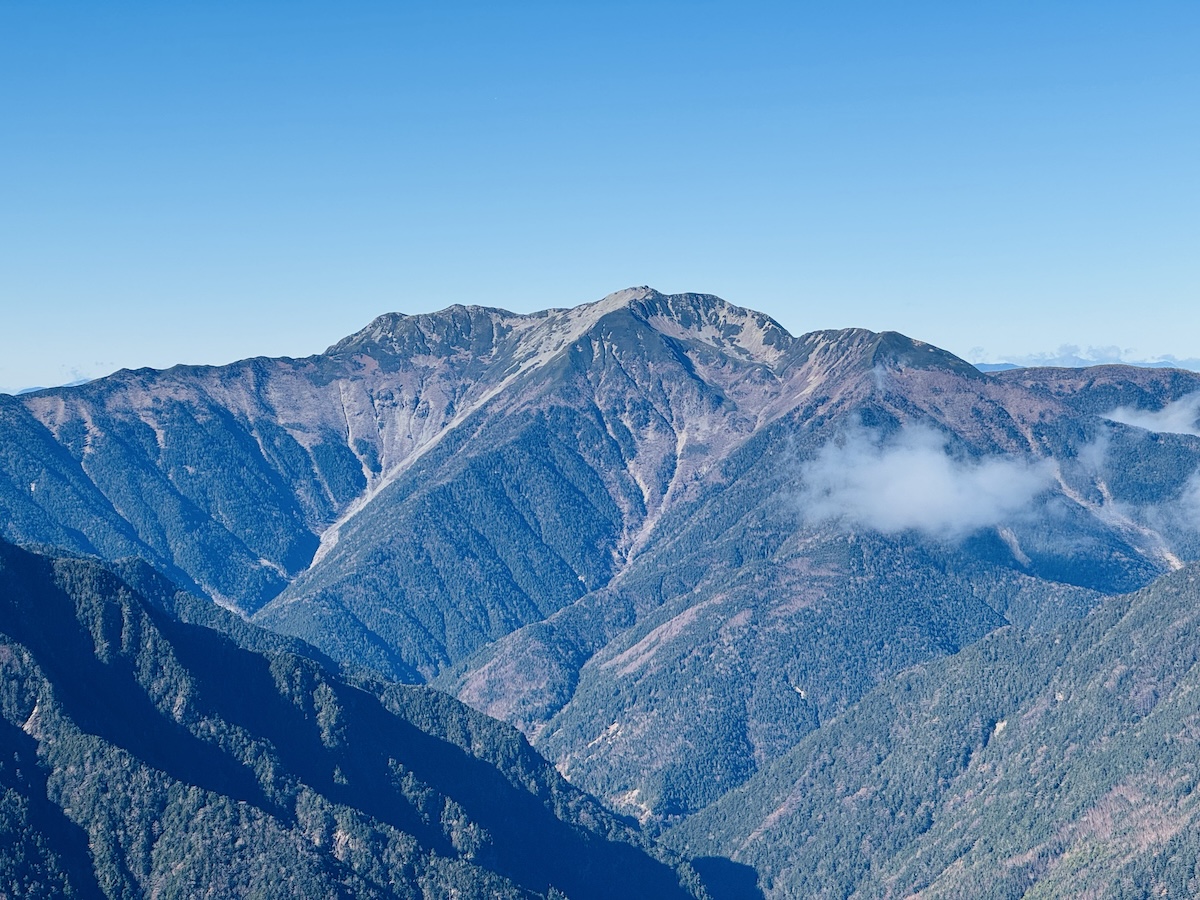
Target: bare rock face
{"points": [[660, 534]]}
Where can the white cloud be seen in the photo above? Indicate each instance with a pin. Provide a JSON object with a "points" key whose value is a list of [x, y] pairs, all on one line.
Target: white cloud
{"points": [[911, 482], [1177, 417], [1189, 501], [1092, 455]]}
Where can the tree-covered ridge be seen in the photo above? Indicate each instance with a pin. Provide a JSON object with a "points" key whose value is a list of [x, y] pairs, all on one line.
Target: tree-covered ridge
{"points": [[146, 756], [1057, 764]]}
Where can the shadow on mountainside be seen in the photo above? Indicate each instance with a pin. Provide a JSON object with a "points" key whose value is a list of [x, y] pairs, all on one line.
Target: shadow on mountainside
{"points": [[726, 879]]}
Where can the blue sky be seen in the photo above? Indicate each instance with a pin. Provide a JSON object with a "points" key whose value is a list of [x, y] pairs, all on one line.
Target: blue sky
{"points": [[199, 182]]}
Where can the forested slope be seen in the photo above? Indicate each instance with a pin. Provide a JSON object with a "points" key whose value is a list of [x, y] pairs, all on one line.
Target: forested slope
{"points": [[146, 756], [1058, 764]]}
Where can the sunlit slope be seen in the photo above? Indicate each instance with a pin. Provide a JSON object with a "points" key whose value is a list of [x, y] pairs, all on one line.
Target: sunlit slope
{"points": [[1058, 764]]}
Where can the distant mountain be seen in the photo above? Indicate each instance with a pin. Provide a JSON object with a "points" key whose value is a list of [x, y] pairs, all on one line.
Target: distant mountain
{"points": [[1074, 358], [75, 383], [142, 756], [1078, 364], [658, 533], [1062, 764]]}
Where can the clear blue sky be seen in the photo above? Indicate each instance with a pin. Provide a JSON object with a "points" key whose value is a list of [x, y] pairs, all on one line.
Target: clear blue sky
{"points": [[199, 182]]}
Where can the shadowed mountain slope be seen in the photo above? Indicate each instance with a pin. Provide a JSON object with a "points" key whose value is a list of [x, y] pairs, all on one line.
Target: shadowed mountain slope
{"points": [[145, 756]]}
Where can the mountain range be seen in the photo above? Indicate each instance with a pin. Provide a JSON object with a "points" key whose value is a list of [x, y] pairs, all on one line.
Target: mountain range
{"points": [[670, 542]]}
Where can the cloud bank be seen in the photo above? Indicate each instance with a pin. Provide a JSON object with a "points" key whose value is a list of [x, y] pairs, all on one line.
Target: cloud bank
{"points": [[1177, 417], [912, 483]]}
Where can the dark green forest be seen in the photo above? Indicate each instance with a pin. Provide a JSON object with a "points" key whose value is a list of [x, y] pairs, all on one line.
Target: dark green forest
{"points": [[148, 755]]}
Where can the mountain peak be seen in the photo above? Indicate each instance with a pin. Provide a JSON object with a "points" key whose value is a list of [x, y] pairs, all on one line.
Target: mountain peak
{"points": [[891, 349], [628, 296], [485, 331], [472, 327], [456, 327]]}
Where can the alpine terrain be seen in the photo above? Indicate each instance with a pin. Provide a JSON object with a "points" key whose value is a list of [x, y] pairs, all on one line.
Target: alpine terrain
{"points": [[695, 559]]}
